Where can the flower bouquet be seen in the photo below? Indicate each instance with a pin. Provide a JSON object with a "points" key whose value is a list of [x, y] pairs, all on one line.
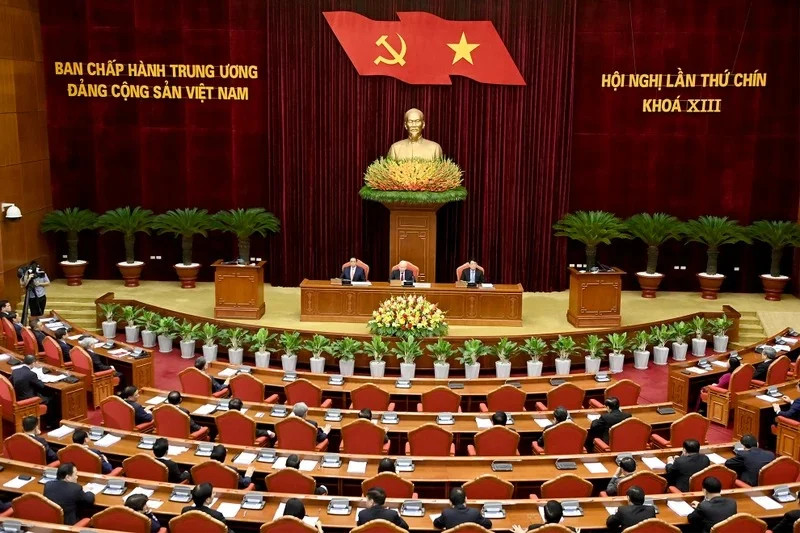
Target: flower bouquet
{"points": [[401, 316], [413, 181]]}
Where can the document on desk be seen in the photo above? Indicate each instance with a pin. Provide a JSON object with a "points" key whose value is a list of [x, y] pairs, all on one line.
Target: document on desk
{"points": [[595, 468], [542, 422], [720, 363], [206, 409], [766, 502], [654, 463], [716, 458], [75, 337], [229, 510], [680, 507], [155, 400], [107, 440], [610, 510], [176, 450], [138, 490], [94, 488], [357, 467], [422, 285], [769, 399], [62, 431], [228, 372], [696, 370], [435, 516], [592, 417], [279, 464], [245, 458], [154, 504], [307, 465], [17, 482], [483, 423], [118, 351], [361, 283], [487, 286]]}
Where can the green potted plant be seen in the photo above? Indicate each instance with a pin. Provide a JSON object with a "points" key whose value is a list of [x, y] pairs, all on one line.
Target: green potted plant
{"points": [[244, 223], [720, 326], [441, 350], [148, 320], [471, 352], [593, 346], [680, 332], [660, 336], [407, 350], [504, 350], [291, 344], [129, 222], [110, 323], [71, 221], [316, 346], [713, 232], [699, 327], [653, 230], [346, 350], [778, 234], [210, 334], [185, 223], [260, 343], [376, 349], [641, 355], [591, 228], [564, 348], [616, 359], [234, 339], [129, 315], [534, 348], [188, 333], [166, 329]]}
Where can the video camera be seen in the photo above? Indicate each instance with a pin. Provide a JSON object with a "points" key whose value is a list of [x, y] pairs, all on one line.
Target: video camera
{"points": [[30, 271]]}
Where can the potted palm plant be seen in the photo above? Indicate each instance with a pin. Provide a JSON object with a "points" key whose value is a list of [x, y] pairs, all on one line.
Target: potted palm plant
{"points": [[720, 326], [653, 230], [408, 350], [660, 336], [471, 352], [129, 222], [376, 349], [346, 350], [680, 332], [166, 329], [148, 320], [71, 221], [244, 223], [504, 350], [260, 343], [316, 346], [616, 359], [534, 348], [591, 228], [129, 315], [564, 348], [713, 232], [593, 346], [441, 350], [109, 324], [291, 344], [699, 327], [188, 333], [778, 235], [234, 339], [210, 334], [641, 355], [185, 223]]}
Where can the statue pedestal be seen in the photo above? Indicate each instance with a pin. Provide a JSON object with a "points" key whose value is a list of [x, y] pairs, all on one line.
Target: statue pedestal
{"points": [[412, 236]]}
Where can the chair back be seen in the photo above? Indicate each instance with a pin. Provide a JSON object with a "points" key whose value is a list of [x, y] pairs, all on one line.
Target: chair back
{"points": [[236, 428], [740, 378], [294, 433], [84, 459], [118, 414], [469, 527], [216, 473], [247, 388], [430, 439], [290, 481], [121, 518], [488, 487], [624, 390], [497, 440], [689, 426], [566, 486], [567, 395], [194, 521], [780, 471], [302, 390], [740, 523], [9, 333], [629, 435], [81, 361], [440, 400], [171, 422], [378, 526], [194, 381], [465, 266], [34, 506], [394, 485], [370, 396], [725, 475], [360, 263], [287, 524], [142, 466], [506, 398], [653, 525], [364, 437], [8, 397], [776, 373], [29, 343], [23, 447], [553, 528], [52, 352], [649, 482], [564, 438]]}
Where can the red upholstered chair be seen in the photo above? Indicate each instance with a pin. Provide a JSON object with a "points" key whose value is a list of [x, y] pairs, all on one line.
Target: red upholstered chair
{"points": [[370, 396], [439, 400], [488, 487], [194, 521], [410, 266], [84, 459], [726, 477], [430, 439], [567, 395], [779, 471], [629, 435], [649, 482], [287, 524], [360, 263], [652, 525], [302, 390], [22, 447], [776, 373], [53, 354], [118, 414], [721, 401], [34, 506], [553, 528], [218, 474], [794, 370], [294, 433], [15, 411], [29, 343], [505, 398], [394, 485], [689, 426], [496, 440], [143, 466], [171, 422], [99, 384], [290, 481], [378, 526], [249, 389], [566, 438], [121, 518], [236, 428], [462, 268], [740, 523], [624, 390], [566, 486], [10, 335], [364, 437], [197, 382], [469, 528]]}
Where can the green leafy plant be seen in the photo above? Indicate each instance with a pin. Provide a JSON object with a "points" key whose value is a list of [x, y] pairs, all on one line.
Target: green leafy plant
{"points": [[778, 234], [408, 349], [184, 223], [109, 311], [593, 346], [233, 338], [661, 334], [148, 320], [699, 326], [640, 341], [504, 350], [290, 342], [188, 332], [210, 332], [130, 313], [129, 222], [244, 223], [346, 349], [261, 340], [680, 331], [720, 326], [617, 341], [71, 221], [591, 228], [376, 348], [654, 230], [534, 347], [441, 350], [316, 345], [714, 232], [471, 351], [564, 346], [167, 327]]}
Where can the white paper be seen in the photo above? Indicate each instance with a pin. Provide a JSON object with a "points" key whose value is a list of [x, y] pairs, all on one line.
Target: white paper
{"points": [[357, 467], [781, 348], [62, 431], [107, 440], [420, 285], [696, 370], [260, 414], [487, 285], [98, 345], [227, 372], [435, 516], [542, 422], [154, 504], [118, 351], [138, 490], [243, 410], [654, 463], [361, 283], [228, 509], [610, 510], [17, 482], [715, 458], [53, 378], [205, 409], [310, 520], [244, 458], [720, 363], [279, 511], [307, 465], [483, 423], [595, 468], [766, 502], [74, 337], [176, 450], [680, 507], [769, 399], [790, 340], [4, 357], [55, 325], [593, 416], [94, 488], [155, 400], [279, 464]]}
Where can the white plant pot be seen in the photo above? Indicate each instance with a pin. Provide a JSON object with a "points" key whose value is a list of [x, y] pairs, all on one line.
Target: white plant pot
{"points": [[699, 347], [347, 367], [377, 369], [164, 344], [502, 369], [407, 370], [110, 329], [262, 359], [131, 334], [720, 343], [615, 362], [235, 356], [534, 368], [210, 353], [317, 365], [441, 370], [472, 371], [187, 349], [660, 355], [289, 362], [562, 366], [641, 359], [679, 350], [148, 339], [592, 364]]}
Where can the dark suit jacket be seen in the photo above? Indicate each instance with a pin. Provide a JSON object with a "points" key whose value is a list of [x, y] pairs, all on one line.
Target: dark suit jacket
{"points": [[69, 496], [396, 274], [209, 511], [478, 275], [748, 463], [679, 472], [360, 275], [18, 329], [321, 435], [216, 386], [760, 369], [40, 335], [193, 426], [104, 465], [26, 383], [600, 427], [710, 512], [176, 475], [65, 348], [629, 515], [793, 411], [140, 415], [379, 512], [786, 525], [50, 455], [453, 516], [155, 525], [97, 363]]}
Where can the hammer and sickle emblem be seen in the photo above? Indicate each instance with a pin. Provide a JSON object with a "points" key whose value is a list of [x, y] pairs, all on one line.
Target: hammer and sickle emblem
{"points": [[397, 58]]}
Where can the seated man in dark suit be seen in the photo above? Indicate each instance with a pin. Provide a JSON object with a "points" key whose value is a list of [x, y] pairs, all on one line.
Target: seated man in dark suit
{"points": [[375, 510], [79, 437], [629, 515], [353, 272], [553, 512], [175, 398], [792, 411], [760, 369], [559, 415], [499, 418], [30, 425], [202, 365], [682, 467], [219, 452], [28, 385], [713, 509], [472, 274], [176, 475], [37, 328], [67, 493], [786, 524], [402, 272], [236, 405], [748, 463], [87, 343], [626, 468], [387, 464], [599, 428], [300, 410], [202, 495], [459, 513], [65, 348], [7, 312], [366, 414], [138, 502], [131, 396], [293, 461]]}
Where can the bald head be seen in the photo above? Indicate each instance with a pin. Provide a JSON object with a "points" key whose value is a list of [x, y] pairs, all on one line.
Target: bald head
{"points": [[403, 265]]}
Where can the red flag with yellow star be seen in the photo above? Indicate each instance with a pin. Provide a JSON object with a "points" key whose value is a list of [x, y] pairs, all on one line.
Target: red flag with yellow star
{"points": [[424, 49]]}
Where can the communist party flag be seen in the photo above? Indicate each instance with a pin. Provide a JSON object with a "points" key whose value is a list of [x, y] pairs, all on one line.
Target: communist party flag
{"points": [[424, 49]]}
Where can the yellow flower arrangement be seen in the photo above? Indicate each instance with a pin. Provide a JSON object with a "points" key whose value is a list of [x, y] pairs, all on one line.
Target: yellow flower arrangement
{"points": [[408, 315]]}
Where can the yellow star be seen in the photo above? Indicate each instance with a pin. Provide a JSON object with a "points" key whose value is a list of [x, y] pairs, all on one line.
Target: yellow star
{"points": [[463, 49]]}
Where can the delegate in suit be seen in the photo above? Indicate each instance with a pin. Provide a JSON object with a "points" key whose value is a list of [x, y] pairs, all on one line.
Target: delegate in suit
{"points": [[375, 510], [713, 509], [472, 274], [67, 493], [202, 495], [747, 463], [629, 515], [402, 272], [600, 427], [681, 468], [459, 513], [353, 272]]}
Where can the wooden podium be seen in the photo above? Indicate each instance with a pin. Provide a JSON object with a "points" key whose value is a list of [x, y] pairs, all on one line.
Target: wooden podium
{"points": [[594, 298], [412, 237], [238, 290]]}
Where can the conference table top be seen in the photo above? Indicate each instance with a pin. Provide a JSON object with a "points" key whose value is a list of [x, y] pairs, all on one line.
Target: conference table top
{"points": [[418, 286]]}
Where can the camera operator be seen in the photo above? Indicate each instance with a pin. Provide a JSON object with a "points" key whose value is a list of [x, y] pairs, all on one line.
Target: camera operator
{"points": [[34, 280]]}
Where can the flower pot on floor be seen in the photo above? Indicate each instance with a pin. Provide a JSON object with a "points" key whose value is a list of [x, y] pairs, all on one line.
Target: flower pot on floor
{"points": [[502, 369], [347, 367], [649, 283], [131, 334], [534, 368], [773, 287], [472, 371], [164, 344], [698, 347], [660, 355], [562, 366], [679, 350], [262, 359], [289, 362], [187, 274], [148, 339], [210, 352], [110, 329], [377, 368], [615, 362], [592, 364], [709, 285], [131, 272], [441, 370], [641, 359], [720, 343], [317, 365], [73, 272], [235, 356], [407, 370], [187, 349]]}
